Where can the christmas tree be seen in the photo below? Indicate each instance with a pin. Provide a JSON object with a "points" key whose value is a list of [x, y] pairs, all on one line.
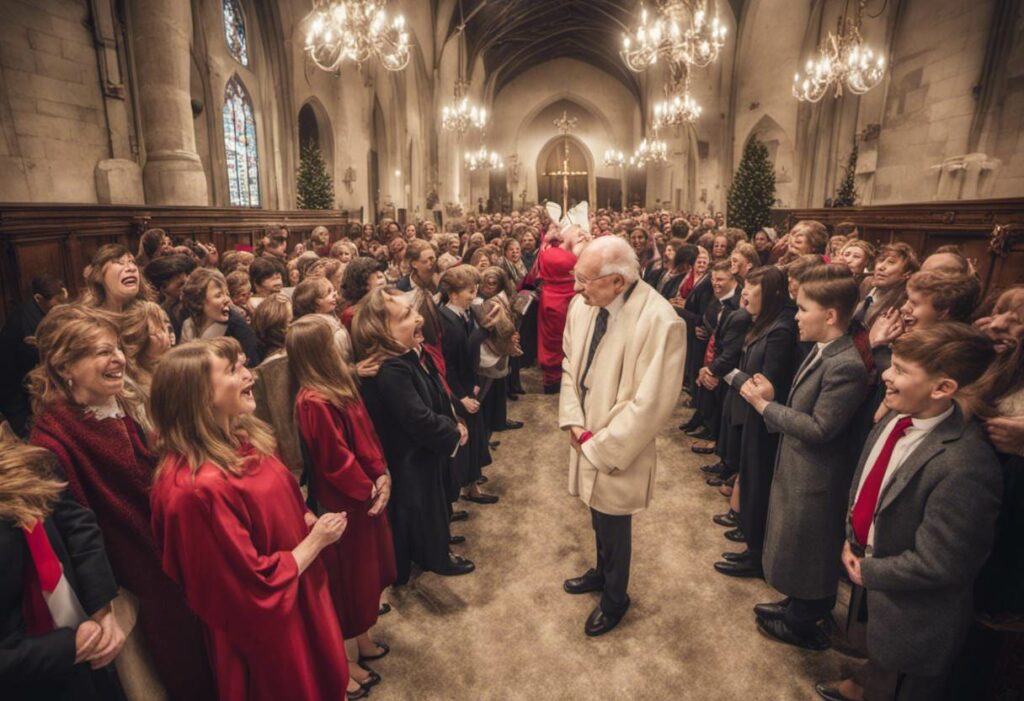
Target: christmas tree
{"points": [[315, 187], [752, 193], [846, 195]]}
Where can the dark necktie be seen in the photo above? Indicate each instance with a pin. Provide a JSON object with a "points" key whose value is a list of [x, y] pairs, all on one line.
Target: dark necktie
{"points": [[862, 313], [863, 512], [600, 327]]}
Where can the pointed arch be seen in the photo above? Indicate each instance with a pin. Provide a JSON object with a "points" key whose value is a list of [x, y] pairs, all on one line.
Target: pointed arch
{"points": [[234, 31], [314, 123], [242, 155]]}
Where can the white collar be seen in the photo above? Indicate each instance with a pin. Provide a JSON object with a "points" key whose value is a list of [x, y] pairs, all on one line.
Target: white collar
{"points": [[728, 296], [459, 311], [822, 345], [928, 424], [110, 409]]}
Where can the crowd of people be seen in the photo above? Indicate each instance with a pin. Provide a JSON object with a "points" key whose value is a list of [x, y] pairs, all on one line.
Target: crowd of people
{"points": [[311, 414]]}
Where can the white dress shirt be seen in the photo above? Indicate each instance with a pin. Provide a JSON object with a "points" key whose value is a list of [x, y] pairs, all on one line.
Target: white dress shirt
{"points": [[916, 433]]}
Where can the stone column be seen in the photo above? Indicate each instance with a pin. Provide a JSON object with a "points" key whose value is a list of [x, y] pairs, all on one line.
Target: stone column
{"points": [[162, 32]]}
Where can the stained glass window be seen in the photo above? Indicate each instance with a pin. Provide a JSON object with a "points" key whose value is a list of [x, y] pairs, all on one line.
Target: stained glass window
{"points": [[240, 146], [234, 31]]}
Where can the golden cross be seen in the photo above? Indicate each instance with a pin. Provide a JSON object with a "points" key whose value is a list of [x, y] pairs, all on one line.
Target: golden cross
{"points": [[564, 124]]}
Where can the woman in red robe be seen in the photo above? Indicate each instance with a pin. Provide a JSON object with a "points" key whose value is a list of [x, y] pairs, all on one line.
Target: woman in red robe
{"points": [[236, 535], [347, 473]]}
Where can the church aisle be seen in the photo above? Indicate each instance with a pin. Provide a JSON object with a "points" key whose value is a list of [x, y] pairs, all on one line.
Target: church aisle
{"points": [[508, 631]]}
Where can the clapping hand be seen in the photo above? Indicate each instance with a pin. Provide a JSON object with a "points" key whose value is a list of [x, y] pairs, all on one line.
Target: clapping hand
{"points": [[757, 391], [381, 495], [887, 328]]}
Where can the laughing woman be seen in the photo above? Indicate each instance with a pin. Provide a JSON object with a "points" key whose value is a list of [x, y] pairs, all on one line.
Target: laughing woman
{"points": [[210, 313], [235, 534], [413, 416]]}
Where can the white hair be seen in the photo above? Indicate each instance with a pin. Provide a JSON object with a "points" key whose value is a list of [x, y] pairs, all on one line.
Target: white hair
{"points": [[617, 258]]}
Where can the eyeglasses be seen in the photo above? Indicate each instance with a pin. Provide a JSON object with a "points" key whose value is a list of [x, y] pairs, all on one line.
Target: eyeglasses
{"points": [[584, 281]]}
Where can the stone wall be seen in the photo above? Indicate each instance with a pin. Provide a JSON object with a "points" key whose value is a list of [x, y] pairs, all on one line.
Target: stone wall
{"points": [[51, 108]]}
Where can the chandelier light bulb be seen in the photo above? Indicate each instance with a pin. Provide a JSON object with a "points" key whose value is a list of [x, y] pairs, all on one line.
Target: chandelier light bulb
{"points": [[356, 31]]}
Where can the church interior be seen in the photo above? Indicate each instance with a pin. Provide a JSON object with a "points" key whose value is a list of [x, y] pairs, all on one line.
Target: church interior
{"points": [[218, 121]]}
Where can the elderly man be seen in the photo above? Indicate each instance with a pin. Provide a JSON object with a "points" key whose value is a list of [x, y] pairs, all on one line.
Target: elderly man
{"points": [[624, 348]]}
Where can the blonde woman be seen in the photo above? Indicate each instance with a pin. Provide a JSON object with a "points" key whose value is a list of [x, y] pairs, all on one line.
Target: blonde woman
{"points": [[347, 472], [235, 534], [318, 296], [59, 631], [210, 314], [113, 281], [146, 334], [81, 417]]}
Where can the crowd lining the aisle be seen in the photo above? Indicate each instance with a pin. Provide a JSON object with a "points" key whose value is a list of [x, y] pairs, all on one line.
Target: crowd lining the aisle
{"points": [[227, 445]]}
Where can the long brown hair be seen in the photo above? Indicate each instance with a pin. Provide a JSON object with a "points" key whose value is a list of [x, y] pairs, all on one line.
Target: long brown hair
{"points": [[774, 297], [193, 294], [370, 332], [181, 405], [315, 362], [28, 484], [140, 323], [95, 294]]}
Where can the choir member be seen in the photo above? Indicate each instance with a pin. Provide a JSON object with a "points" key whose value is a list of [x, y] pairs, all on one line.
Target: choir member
{"points": [[210, 313], [858, 255], [362, 276], [413, 416], [922, 507], [318, 296], [763, 241], [347, 473], [743, 259], [153, 244], [397, 265], [240, 292], [495, 313], [691, 303], [646, 252], [234, 533], [146, 334], [102, 452], [267, 277], [422, 261], [113, 280], [528, 244], [814, 464], [886, 288], [59, 632], [272, 388], [168, 275], [512, 261]]}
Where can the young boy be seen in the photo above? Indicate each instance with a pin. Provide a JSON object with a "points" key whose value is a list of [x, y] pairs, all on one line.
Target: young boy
{"points": [[804, 532], [885, 288], [923, 505]]}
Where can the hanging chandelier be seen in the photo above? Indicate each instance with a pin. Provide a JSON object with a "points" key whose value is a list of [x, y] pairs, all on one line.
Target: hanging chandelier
{"points": [[652, 151], [482, 159], [614, 159], [677, 108], [355, 30], [844, 62], [461, 114], [680, 33]]}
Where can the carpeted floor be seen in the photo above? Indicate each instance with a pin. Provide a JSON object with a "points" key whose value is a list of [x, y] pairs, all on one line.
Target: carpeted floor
{"points": [[508, 631]]}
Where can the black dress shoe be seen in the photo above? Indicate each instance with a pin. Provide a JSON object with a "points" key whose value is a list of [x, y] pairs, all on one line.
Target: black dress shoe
{"points": [[773, 611], [830, 691], [360, 693], [701, 450], [728, 520], [778, 630], [599, 622], [481, 498], [370, 658], [456, 539], [736, 536], [459, 516], [718, 468], [456, 566], [512, 397], [552, 389], [736, 557], [372, 681], [740, 568], [691, 425], [589, 581], [509, 426]]}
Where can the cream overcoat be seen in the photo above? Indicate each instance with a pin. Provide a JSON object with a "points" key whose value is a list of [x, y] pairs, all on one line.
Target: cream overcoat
{"points": [[633, 385]]}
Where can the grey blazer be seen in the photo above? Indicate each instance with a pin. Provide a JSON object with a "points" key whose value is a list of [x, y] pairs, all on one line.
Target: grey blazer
{"points": [[934, 526], [813, 468]]}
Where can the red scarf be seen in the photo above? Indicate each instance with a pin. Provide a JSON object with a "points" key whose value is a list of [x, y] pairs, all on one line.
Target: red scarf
{"points": [[40, 575]]}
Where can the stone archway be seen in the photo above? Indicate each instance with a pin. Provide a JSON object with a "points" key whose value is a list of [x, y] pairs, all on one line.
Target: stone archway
{"points": [[580, 159], [315, 125], [780, 152]]}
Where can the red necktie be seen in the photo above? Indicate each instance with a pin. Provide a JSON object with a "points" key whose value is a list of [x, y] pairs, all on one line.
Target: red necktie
{"points": [[863, 512]]}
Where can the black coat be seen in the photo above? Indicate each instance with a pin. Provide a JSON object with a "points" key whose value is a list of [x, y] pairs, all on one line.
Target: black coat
{"points": [[18, 359], [697, 302], [42, 667], [239, 330]]}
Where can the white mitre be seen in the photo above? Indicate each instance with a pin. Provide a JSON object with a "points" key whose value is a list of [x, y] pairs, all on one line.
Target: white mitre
{"points": [[577, 216]]}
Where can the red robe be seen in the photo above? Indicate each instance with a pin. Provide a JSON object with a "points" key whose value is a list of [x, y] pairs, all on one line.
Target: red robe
{"points": [[346, 460], [272, 633], [554, 269], [109, 468]]}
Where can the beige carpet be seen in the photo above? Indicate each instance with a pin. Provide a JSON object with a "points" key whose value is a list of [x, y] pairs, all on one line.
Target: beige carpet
{"points": [[508, 631]]}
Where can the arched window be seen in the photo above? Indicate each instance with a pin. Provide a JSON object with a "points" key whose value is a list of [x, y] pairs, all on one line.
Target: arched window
{"points": [[240, 146], [234, 31]]}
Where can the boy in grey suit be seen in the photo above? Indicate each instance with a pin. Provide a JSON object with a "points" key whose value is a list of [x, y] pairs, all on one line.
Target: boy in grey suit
{"points": [[814, 464], [923, 506]]}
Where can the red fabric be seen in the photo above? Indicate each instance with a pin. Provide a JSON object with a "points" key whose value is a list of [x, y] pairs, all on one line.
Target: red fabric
{"points": [[347, 459], [863, 512], [272, 633], [554, 269], [585, 436], [686, 287], [347, 315], [109, 469], [709, 353], [35, 612], [45, 560]]}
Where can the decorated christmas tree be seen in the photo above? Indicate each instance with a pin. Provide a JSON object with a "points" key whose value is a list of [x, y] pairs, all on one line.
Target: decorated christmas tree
{"points": [[846, 195], [752, 193], [315, 187]]}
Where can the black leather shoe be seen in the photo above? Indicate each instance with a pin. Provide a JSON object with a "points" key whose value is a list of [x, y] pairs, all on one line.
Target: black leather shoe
{"points": [[509, 426], [456, 539], [371, 681], [481, 498], [599, 622], [589, 581], [456, 566], [773, 611], [736, 536], [740, 568], [691, 425], [736, 557], [512, 397], [370, 658], [718, 468], [459, 516], [830, 691], [778, 630], [701, 450], [726, 520], [360, 693]]}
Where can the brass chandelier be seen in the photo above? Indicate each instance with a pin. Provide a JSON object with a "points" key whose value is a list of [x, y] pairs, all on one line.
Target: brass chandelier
{"points": [[341, 31], [482, 159], [844, 63], [680, 32], [678, 107], [461, 114]]}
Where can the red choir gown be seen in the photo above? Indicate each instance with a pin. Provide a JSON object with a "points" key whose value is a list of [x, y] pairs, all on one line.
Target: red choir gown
{"points": [[554, 268], [346, 460], [271, 632]]}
